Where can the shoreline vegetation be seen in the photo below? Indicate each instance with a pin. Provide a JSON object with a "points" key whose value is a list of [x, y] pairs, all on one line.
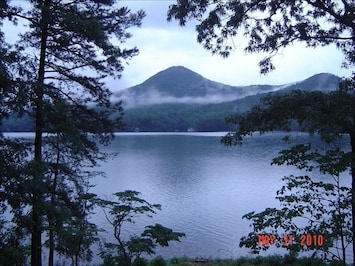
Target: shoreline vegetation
{"points": [[270, 260]]}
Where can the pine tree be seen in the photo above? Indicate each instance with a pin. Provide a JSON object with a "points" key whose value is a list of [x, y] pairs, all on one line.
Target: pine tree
{"points": [[62, 61]]}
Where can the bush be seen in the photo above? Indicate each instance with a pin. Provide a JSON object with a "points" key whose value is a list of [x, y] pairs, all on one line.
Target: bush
{"points": [[140, 262], [290, 259], [336, 263], [174, 260], [258, 260], [242, 260], [158, 261]]}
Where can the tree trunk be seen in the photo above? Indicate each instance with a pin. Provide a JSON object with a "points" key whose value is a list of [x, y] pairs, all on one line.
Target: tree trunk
{"points": [[51, 217], [51, 246], [352, 140], [36, 234]]}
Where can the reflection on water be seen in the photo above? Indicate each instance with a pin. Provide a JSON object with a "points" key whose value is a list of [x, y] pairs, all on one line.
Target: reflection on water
{"points": [[204, 187]]}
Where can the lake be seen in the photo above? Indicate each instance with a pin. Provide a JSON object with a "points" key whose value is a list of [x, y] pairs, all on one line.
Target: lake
{"points": [[204, 187]]}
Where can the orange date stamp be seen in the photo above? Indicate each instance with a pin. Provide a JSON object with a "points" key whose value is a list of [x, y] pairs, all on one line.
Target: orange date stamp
{"points": [[289, 240]]}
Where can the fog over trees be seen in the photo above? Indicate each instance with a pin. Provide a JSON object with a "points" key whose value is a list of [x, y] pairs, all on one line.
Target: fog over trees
{"points": [[54, 75]]}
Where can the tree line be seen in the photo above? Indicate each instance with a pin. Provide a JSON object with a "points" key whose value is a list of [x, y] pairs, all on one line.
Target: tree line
{"points": [[270, 26], [55, 73], [54, 76]]}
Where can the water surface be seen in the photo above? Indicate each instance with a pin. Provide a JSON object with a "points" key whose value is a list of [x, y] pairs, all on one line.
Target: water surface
{"points": [[204, 187]]}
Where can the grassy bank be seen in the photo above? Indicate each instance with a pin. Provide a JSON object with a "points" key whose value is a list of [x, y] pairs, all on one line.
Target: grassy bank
{"points": [[243, 261]]}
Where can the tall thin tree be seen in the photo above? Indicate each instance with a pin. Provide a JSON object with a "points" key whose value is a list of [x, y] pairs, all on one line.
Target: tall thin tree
{"points": [[73, 47]]}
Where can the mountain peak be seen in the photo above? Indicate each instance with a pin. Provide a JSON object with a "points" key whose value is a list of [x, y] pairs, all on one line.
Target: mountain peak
{"points": [[175, 81], [173, 75], [319, 82], [178, 68], [178, 84], [175, 69]]}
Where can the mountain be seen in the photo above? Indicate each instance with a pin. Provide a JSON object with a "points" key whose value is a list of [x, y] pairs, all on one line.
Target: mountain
{"points": [[320, 82], [177, 99], [178, 84], [202, 104]]}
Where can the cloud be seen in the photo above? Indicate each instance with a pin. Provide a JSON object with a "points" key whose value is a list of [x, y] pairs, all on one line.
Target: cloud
{"points": [[164, 44], [155, 97], [214, 93]]}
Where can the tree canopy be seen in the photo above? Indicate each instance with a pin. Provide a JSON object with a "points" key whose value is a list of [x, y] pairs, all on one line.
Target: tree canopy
{"points": [[55, 73], [329, 115], [270, 25], [127, 207]]}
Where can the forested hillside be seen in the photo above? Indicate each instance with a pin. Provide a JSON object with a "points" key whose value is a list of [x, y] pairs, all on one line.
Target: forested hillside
{"points": [[178, 99], [211, 116], [181, 117]]}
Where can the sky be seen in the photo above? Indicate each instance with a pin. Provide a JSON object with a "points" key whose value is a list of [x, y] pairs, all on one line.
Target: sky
{"points": [[164, 44]]}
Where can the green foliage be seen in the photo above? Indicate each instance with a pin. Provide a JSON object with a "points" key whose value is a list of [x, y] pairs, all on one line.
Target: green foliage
{"points": [[269, 26], [174, 260], [54, 77], [270, 260], [69, 154], [325, 209], [127, 208], [158, 261], [140, 262], [13, 251], [177, 117], [308, 207], [327, 114]]}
